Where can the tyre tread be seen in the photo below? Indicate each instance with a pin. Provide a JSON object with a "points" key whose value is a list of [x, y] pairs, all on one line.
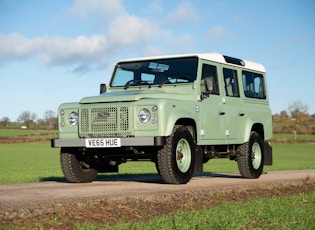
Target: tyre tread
{"points": [[244, 160], [166, 163], [73, 172]]}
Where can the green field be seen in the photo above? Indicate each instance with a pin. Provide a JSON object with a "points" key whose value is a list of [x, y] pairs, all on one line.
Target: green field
{"points": [[26, 132], [21, 163], [290, 138]]}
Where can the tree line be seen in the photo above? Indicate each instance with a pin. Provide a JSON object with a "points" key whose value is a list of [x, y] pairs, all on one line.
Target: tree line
{"points": [[29, 120], [295, 120]]}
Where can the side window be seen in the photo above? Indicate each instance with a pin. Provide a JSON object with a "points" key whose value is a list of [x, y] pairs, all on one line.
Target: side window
{"points": [[209, 79], [253, 84], [230, 82]]}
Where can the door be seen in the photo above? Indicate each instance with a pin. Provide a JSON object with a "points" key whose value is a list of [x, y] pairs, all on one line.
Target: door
{"points": [[212, 122], [235, 115]]}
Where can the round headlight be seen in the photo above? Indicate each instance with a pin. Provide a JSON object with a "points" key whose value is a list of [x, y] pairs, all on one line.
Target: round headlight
{"points": [[73, 118], [144, 116]]}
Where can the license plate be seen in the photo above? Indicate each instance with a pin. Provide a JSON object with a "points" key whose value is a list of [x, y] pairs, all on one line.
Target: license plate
{"points": [[102, 143]]}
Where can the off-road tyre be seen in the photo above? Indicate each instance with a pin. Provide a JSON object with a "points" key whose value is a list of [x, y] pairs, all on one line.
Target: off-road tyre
{"points": [[176, 160], [250, 158], [74, 170]]}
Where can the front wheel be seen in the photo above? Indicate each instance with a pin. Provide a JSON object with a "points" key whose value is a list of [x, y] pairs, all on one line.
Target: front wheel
{"points": [[176, 160], [250, 158], [75, 169]]}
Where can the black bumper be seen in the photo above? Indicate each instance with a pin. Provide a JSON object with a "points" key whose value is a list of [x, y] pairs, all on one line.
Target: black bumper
{"points": [[135, 141]]}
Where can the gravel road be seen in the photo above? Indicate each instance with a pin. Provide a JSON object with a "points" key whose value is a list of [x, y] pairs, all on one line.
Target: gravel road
{"points": [[25, 200]]}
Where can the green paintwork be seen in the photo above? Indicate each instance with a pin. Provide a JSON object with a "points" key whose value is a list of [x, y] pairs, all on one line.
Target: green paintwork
{"points": [[219, 120]]}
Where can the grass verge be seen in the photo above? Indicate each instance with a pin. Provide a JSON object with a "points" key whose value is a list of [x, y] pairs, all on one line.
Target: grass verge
{"points": [[273, 205], [292, 212], [21, 163]]}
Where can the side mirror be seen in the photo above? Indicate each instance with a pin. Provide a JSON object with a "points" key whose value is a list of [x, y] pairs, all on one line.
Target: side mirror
{"points": [[102, 88], [208, 84]]}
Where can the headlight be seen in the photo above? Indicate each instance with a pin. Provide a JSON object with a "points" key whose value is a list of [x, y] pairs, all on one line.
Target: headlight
{"points": [[73, 118], [144, 116]]}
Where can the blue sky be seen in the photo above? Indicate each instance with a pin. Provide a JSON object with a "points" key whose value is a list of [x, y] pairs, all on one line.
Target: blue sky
{"points": [[60, 51]]}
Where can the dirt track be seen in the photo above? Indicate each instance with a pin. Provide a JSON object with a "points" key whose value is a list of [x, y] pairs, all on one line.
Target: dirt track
{"points": [[16, 196], [22, 201]]}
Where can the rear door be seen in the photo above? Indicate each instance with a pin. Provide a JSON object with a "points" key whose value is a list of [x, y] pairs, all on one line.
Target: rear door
{"points": [[233, 106]]}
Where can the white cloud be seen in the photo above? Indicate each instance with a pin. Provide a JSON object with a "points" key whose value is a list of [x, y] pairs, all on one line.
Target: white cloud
{"points": [[94, 50], [155, 7], [15, 46], [185, 43], [105, 8], [63, 51], [124, 32], [129, 30], [219, 33], [53, 50], [183, 11]]}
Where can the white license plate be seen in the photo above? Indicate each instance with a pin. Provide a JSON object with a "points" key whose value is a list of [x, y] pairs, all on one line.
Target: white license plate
{"points": [[102, 143]]}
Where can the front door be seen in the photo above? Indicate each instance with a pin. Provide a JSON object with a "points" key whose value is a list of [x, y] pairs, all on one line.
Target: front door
{"points": [[212, 109]]}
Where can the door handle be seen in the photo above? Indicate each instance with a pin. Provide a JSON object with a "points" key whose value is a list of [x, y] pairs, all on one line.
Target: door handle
{"points": [[241, 114], [221, 112]]}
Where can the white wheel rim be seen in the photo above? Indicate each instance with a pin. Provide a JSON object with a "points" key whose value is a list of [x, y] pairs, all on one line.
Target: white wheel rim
{"points": [[256, 155], [183, 155]]}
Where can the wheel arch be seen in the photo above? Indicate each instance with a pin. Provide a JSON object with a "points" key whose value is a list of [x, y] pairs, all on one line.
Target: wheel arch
{"points": [[192, 128], [259, 128], [253, 125], [190, 124]]}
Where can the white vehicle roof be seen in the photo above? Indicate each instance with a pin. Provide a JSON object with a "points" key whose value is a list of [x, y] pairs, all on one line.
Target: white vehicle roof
{"points": [[215, 57]]}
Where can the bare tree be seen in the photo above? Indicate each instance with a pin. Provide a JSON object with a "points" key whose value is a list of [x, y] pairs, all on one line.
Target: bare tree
{"points": [[50, 118], [298, 115], [4, 122], [27, 118]]}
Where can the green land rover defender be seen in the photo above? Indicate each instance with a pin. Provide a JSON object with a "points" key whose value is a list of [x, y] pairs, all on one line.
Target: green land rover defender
{"points": [[177, 111]]}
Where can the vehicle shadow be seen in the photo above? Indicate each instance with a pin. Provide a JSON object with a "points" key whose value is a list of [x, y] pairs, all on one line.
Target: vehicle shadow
{"points": [[222, 175], [143, 178]]}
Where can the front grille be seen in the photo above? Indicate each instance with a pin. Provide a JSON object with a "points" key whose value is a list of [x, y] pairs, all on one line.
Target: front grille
{"points": [[106, 121]]}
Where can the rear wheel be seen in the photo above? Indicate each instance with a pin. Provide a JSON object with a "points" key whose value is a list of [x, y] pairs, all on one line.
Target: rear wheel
{"points": [[176, 160], [251, 157], [75, 169]]}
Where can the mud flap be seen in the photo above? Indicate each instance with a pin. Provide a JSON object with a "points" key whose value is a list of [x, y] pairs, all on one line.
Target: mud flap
{"points": [[198, 161], [268, 153]]}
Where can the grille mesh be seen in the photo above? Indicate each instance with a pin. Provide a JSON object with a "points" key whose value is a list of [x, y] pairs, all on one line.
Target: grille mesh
{"points": [[110, 121]]}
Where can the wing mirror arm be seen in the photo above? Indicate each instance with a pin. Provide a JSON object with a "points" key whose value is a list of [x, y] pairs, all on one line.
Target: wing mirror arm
{"points": [[204, 95]]}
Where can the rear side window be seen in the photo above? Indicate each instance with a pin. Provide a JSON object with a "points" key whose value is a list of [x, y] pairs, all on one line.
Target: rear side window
{"points": [[253, 84]]}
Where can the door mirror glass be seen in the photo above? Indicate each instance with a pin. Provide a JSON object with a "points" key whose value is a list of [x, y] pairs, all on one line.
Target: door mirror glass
{"points": [[102, 88]]}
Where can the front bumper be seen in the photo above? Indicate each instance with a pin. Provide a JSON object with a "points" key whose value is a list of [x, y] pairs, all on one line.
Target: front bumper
{"points": [[130, 142]]}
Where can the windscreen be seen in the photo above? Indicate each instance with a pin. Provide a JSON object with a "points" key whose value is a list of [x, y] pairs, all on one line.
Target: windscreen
{"points": [[155, 72]]}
